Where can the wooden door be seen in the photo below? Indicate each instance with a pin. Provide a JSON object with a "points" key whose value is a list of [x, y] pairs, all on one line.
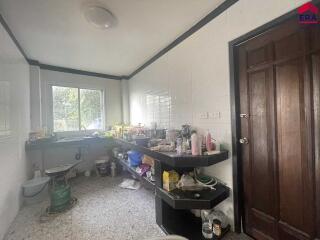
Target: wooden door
{"points": [[277, 130], [315, 61]]}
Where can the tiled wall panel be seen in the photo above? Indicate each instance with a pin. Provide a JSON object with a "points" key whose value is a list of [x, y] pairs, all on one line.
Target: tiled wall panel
{"points": [[196, 75]]}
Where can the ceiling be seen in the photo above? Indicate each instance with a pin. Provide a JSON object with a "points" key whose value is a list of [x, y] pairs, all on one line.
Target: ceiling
{"points": [[55, 32]]}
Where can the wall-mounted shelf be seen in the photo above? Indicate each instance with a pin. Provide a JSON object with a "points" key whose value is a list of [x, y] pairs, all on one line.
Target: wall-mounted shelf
{"points": [[208, 199], [174, 160]]}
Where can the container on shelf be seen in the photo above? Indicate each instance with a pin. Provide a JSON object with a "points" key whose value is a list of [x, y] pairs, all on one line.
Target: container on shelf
{"points": [[135, 158], [102, 167], [142, 140]]}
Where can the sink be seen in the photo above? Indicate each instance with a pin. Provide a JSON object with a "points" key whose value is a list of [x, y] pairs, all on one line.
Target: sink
{"points": [[88, 137], [74, 139]]}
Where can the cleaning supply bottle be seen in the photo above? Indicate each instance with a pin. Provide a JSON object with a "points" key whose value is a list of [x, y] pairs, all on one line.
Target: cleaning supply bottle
{"points": [[209, 146], [113, 169], [195, 144]]}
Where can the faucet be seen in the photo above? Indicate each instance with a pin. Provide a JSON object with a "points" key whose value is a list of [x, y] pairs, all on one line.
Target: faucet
{"points": [[85, 130]]}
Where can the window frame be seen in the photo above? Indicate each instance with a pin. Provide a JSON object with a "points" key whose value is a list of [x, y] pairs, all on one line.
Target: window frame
{"points": [[81, 131]]}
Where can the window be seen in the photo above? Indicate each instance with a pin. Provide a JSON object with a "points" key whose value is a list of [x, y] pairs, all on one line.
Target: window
{"points": [[4, 109], [158, 106], [76, 109]]}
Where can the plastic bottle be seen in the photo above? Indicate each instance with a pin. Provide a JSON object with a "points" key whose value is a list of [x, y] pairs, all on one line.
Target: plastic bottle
{"points": [[195, 144], [179, 146], [209, 142], [113, 169]]}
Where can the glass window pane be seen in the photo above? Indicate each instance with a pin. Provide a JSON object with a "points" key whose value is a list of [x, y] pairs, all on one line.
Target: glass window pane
{"points": [[65, 109], [91, 109]]}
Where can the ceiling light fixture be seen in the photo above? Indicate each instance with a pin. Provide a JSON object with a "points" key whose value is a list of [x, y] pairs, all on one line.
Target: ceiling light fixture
{"points": [[99, 17]]}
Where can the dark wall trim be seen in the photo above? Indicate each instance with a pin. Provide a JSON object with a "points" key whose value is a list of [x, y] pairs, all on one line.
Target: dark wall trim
{"points": [[216, 12], [235, 129], [235, 111], [6, 27], [74, 71]]}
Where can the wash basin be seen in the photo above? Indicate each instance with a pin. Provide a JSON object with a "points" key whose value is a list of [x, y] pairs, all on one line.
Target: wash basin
{"points": [[75, 139]]}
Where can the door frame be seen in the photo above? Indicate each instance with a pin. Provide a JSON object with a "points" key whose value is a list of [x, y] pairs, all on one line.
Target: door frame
{"points": [[238, 201]]}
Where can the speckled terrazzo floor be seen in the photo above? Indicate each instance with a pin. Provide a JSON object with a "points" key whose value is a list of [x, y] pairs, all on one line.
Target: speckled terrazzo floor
{"points": [[104, 212]]}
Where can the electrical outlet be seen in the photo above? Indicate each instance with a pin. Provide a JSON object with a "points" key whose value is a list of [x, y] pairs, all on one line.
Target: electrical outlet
{"points": [[215, 115], [203, 115]]}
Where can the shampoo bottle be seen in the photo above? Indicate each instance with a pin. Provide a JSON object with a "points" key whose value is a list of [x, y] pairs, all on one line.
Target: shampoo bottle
{"points": [[209, 146], [195, 144]]}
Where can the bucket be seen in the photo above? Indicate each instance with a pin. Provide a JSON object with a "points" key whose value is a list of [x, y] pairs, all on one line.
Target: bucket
{"points": [[35, 190], [60, 197], [102, 167], [135, 158]]}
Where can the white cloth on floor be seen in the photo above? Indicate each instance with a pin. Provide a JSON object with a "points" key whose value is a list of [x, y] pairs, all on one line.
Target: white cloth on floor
{"points": [[130, 184]]}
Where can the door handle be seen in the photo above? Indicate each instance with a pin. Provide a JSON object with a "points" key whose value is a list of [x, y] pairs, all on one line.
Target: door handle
{"points": [[244, 115], [244, 140]]}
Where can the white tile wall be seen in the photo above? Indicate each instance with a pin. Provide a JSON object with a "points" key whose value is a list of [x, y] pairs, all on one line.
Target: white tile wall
{"points": [[196, 75], [14, 86], [5, 109]]}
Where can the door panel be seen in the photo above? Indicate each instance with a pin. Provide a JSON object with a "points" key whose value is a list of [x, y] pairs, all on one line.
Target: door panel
{"points": [[289, 45], [261, 161], [275, 86], [292, 156], [314, 39], [259, 55], [289, 142], [262, 212], [287, 232], [258, 104], [316, 98]]}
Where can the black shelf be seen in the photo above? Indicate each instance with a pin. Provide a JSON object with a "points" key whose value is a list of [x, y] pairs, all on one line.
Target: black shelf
{"points": [[144, 180], [184, 223], [174, 160], [173, 208], [208, 199]]}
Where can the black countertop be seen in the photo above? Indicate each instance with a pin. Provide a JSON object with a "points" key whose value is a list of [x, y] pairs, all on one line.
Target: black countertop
{"points": [[175, 160], [48, 143]]}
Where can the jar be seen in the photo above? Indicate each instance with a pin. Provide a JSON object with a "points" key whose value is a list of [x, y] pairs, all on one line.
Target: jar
{"points": [[217, 229]]}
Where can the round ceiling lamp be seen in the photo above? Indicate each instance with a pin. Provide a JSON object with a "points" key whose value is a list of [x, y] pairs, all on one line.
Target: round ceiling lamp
{"points": [[99, 17]]}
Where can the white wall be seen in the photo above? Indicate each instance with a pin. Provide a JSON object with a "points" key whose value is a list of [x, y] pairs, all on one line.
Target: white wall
{"points": [[195, 76], [13, 162], [35, 98], [125, 101]]}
